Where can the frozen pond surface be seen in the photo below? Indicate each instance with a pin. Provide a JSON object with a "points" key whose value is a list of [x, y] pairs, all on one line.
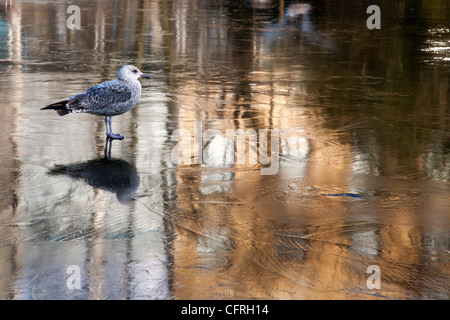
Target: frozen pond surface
{"points": [[362, 179]]}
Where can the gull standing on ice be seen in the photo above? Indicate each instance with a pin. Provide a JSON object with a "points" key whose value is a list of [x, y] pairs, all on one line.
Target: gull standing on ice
{"points": [[108, 99]]}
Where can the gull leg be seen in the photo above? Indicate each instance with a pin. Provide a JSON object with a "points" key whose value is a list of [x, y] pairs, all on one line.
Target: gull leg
{"points": [[106, 125], [108, 145], [110, 134]]}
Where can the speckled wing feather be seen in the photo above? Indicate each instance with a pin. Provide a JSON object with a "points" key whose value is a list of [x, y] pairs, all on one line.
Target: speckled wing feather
{"points": [[104, 95], [106, 98]]}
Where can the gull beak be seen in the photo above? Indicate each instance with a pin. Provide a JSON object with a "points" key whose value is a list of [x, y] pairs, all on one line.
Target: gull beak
{"points": [[143, 75]]}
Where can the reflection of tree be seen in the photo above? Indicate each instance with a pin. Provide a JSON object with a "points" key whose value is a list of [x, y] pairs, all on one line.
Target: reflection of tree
{"points": [[247, 93]]}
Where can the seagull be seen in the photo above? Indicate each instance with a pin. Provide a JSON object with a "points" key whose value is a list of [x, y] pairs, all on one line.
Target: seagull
{"points": [[108, 99]]}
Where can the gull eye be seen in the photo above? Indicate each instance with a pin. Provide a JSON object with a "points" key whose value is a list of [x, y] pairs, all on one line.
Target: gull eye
{"points": [[135, 70]]}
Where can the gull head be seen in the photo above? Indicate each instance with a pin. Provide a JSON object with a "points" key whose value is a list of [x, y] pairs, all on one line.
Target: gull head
{"points": [[131, 73]]}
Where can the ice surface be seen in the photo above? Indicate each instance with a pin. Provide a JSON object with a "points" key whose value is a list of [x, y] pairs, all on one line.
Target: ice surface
{"points": [[363, 175]]}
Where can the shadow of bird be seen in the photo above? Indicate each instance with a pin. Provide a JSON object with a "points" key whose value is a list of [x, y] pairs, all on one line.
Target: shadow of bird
{"points": [[114, 175]]}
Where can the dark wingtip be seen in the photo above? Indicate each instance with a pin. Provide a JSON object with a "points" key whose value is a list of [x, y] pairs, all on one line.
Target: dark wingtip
{"points": [[63, 112], [60, 107]]}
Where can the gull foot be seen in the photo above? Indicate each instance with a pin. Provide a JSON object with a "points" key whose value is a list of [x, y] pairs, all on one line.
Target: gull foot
{"points": [[115, 136]]}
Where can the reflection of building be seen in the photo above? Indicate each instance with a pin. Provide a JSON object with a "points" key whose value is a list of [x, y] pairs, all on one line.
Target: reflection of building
{"points": [[217, 230], [264, 93]]}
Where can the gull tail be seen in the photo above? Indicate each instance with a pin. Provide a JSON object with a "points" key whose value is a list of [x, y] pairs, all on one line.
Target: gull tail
{"points": [[60, 107]]}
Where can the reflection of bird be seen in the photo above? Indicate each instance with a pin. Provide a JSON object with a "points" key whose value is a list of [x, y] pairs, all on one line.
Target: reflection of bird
{"points": [[108, 99], [296, 18], [113, 175], [297, 9]]}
